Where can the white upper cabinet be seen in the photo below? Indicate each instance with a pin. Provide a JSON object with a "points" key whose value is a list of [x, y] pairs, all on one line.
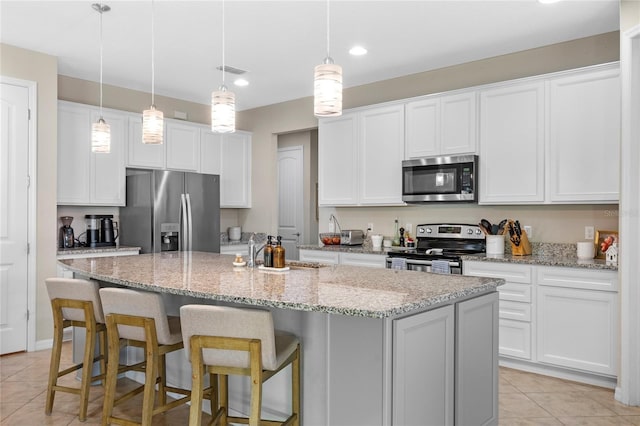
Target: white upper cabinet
{"points": [[147, 156], [235, 170], [381, 153], [180, 149], [552, 139], [360, 157], [210, 151], [338, 160], [512, 144], [182, 141], [441, 125], [583, 135], [84, 177]]}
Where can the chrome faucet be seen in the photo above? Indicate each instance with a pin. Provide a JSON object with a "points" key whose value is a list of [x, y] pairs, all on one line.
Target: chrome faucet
{"points": [[254, 249]]}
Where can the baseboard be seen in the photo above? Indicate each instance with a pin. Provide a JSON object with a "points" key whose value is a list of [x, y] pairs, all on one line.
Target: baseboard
{"points": [[67, 335], [561, 373]]}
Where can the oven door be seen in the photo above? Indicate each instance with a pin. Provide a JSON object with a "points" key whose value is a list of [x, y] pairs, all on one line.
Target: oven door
{"points": [[424, 265]]}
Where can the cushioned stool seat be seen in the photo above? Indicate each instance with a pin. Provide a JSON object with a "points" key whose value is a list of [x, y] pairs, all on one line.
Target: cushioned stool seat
{"points": [[139, 319], [224, 341], [76, 303]]}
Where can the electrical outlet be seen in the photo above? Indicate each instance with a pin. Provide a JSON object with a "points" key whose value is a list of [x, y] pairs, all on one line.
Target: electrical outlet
{"points": [[529, 230], [370, 227], [588, 232]]}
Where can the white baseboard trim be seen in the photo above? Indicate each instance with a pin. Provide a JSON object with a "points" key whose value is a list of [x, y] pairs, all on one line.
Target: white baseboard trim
{"points": [[561, 373], [46, 344]]}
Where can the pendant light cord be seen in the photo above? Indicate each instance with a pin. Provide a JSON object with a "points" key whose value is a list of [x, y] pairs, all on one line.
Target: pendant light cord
{"points": [[328, 29], [153, 60], [100, 61], [223, 42]]}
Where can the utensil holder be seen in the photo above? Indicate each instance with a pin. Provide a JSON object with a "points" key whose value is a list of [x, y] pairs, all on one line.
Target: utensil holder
{"points": [[524, 249]]}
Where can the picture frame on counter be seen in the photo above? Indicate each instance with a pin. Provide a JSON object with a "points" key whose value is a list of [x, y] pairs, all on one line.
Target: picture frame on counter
{"points": [[604, 240]]}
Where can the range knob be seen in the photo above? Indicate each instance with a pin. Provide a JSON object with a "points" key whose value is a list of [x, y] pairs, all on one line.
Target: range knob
{"points": [[478, 232], [421, 230], [429, 231], [469, 231]]}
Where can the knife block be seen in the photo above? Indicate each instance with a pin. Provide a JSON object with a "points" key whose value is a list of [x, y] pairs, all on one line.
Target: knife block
{"points": [[524, 249]]}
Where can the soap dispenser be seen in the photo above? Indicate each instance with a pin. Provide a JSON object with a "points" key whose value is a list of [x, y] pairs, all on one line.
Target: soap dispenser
{"points": [[268, 253], [278, 254]]}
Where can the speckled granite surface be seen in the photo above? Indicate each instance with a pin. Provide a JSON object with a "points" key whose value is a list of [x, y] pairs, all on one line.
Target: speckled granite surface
{"points": [[92, 250], [261, 237], [339, 289], [545, 254]]}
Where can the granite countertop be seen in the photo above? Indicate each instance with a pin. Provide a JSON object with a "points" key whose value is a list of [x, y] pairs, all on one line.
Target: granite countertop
{"points": [[336, 289], [260, 238], [92, 250], [543, 254]]}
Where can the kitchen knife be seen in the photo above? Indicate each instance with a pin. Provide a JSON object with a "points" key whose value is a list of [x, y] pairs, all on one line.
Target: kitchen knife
{"points": [[518, 229], [515, 239]]}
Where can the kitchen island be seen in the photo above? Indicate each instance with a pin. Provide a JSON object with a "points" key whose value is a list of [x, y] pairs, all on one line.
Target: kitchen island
{"points": [[380, 347]]}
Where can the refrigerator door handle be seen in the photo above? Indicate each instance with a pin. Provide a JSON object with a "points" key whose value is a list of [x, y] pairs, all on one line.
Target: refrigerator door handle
{"points": [[183, 222], [189, 224]]}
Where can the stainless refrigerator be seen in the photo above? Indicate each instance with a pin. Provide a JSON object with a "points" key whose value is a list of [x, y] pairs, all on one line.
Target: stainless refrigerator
{"points": [[170, 211]]}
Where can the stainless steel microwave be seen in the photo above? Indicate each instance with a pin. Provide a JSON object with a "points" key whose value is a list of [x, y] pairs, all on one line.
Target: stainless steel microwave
{"points": [[438, 179]]}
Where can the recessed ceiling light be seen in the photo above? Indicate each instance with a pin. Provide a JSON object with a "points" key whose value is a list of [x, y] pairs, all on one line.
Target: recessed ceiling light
{"points": [[358, 51], [241, 82]]}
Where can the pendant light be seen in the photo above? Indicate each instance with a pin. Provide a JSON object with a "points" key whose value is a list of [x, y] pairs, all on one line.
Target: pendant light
{"points": [[100, 131], [327, 85], [152, 119], [223, 102]]}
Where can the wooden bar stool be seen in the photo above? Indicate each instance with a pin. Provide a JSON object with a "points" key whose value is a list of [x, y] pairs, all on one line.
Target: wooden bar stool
{"points": [[137, 318], [224, 341], [75, 302]]}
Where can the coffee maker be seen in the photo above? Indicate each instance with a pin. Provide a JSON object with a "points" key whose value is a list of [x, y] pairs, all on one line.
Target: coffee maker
{"points": [[66, 237], [100, 230]]}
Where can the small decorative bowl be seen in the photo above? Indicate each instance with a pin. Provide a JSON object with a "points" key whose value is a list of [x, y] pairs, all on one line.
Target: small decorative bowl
{"points": [[330, 238]]}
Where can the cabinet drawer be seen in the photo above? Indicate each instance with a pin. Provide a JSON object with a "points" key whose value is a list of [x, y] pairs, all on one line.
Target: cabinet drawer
{"points": [[515, 339], [319, 256], [587, 279], [515, 311], [511, 273], [363, 259], [515, 292]]}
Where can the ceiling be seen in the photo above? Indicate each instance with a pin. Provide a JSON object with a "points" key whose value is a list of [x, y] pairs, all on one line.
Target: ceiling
{"points": [[280, 42]]}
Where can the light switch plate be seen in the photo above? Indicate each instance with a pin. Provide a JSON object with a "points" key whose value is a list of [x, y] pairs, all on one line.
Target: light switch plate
{"points": [[588, 232]]}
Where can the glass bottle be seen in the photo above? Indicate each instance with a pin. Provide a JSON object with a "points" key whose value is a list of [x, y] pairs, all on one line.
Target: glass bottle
{"points": [[396, 234], [278, 254], [268, 253]]}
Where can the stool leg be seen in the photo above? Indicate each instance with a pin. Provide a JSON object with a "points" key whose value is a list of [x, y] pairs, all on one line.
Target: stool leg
{"points": [[162, 371], [224, 398], [87, 367], [213, 396], [295, 386], [150, 376], [103, 353], [54, 366], [256, 383], [112, 370], [197, 371]]}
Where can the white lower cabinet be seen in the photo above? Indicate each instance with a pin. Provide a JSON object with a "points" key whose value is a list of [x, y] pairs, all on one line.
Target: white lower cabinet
{"points": [[435, 352], [515, 304], [328, 257], [476, 370], [556, 316], [424, 343], [576, 324], [343, 258], [363, 259]]}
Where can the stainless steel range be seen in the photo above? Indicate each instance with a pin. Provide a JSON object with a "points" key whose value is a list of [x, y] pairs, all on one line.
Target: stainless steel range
{"points": [[439, 248]]}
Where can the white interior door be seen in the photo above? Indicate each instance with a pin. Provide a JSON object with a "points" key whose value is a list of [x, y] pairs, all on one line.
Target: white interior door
{"points": [[14, 173], [290, 199]]}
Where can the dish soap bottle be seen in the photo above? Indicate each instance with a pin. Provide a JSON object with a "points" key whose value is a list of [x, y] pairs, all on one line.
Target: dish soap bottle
{"points": [[278, 254], [268, 253], [396, 234]]}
